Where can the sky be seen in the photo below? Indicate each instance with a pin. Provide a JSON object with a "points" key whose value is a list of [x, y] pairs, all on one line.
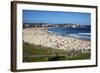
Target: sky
{"points": [[56, 17]]}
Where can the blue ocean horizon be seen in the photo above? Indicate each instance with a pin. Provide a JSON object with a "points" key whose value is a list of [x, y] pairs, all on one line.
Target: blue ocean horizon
{"points": [[79, 33]]}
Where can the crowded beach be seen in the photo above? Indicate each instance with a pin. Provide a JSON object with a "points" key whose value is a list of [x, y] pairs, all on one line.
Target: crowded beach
{"points": [[41, 36]]}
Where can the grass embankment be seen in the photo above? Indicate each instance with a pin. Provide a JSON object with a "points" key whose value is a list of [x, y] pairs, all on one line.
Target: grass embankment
{"points": [[38, 53]]}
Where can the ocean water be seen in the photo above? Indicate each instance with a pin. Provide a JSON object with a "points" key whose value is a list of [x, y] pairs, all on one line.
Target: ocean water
{"points": [[80, 33]]}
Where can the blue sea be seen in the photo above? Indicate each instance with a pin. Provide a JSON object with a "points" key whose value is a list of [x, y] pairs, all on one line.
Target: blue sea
{"points": [[80, 33]]}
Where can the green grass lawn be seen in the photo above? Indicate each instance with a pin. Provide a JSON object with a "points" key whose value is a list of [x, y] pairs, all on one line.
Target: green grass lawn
{"points": [[31, 50]]}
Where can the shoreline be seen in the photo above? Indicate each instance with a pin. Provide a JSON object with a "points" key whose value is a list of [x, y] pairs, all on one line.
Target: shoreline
{"points": [[40, 36]]}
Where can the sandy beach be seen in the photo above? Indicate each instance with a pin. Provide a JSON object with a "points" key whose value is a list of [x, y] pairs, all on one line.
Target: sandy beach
{"points": [[40, 36]]}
